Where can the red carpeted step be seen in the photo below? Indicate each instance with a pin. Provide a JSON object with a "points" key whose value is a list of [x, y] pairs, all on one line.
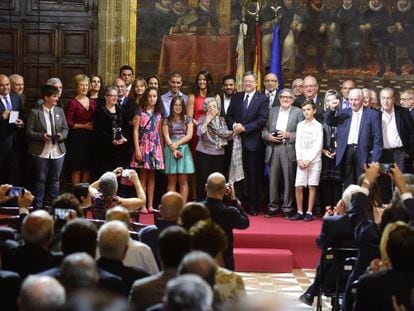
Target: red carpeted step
{"points": [[263, 260]]}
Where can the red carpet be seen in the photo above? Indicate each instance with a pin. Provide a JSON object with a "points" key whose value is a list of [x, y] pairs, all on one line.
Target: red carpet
{"points": [[273, 244], [276, 245]]}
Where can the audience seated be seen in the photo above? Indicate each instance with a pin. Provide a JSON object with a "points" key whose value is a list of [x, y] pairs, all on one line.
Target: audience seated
{"points": [[9, 288], [138, 254], [33, 256], [375, 290], [113, 240], [78, 236], [171, 205], [41, 293], [92, 300], [174, 244], [208, 237]]}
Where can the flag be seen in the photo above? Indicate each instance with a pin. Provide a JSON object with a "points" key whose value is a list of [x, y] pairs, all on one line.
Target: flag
{"points": [[240, 58], [257, 67], [276, 56]]}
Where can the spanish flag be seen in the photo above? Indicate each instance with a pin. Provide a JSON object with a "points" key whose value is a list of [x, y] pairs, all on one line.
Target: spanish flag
{"points": [[257, 67]]}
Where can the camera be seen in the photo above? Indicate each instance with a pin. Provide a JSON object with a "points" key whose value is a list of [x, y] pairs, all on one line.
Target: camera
{"points": [[275, 133], [15, 192], [55, 138], [385, 168], [117, 131], [61, 213], [125, 173]]}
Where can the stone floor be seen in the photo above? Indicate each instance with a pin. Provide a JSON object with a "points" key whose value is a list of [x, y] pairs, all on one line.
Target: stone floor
{"points": [[283, 287]]}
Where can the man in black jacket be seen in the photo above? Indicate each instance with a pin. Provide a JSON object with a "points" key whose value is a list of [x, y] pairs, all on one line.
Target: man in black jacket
{"points": [[227, 217]]}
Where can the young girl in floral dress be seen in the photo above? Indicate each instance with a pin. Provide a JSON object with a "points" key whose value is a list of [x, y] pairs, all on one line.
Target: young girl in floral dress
{"points": [[148, 142]]}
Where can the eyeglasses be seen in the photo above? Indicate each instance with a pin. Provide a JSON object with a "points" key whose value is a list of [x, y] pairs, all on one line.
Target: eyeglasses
{"points": [[310, 85], [110, 95], [285, 97]]}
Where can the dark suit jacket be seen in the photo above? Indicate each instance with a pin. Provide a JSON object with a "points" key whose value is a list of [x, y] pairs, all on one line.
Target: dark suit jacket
{"points": [[9, 289], [127, 274], [405, 128], [369, 139], [253, 120], [318, 104], [336, 231], [36, 127], [228, 218], [8, 132], [375, 290], [107, 281]]}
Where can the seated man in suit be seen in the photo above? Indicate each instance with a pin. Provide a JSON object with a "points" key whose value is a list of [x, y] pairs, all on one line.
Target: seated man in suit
{"points": [[336, 231], [375, 291], [113, 238], [359, 137]]}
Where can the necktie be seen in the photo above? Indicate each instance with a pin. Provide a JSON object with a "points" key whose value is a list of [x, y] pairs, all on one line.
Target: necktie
{"points": [[345, 104], [52, 124], [8, 104], [246, 102]]}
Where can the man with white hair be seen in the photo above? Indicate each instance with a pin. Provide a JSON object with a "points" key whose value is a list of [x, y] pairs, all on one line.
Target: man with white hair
{"points": [[113, 239], [359, 136], [40, 293], [336, 231]]}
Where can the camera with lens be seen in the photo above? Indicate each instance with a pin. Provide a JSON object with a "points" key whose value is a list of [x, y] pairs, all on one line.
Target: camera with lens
{"points": [[54, 138]]}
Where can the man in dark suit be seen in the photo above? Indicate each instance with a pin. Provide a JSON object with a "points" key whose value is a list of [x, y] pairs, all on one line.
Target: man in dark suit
{"points": [[280, 136], [359, 137], [247, 117], [271, 85], [113, 240], [10, 142], [398, 138], [336, 231], [227, 217], [407, 101], [310, 92], [346, 87]]}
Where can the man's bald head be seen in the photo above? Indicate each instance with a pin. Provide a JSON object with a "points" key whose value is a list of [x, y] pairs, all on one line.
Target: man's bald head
{"points": [[118, 213], [216, 185], [171, 205], [37, 228]]}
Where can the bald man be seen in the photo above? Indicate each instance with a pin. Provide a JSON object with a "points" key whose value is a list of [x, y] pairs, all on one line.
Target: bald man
{"points": [[227, 217], [171, 205], [346, 87], [271, 84], [12, 121], [310, 92]]}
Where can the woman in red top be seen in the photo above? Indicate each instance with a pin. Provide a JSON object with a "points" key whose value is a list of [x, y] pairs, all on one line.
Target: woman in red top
{"points": [[79, 115]]}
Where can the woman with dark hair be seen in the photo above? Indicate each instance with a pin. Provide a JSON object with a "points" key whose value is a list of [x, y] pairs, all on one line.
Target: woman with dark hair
{"points": [[96, 90], [177, 130], [148, 141], [154, 81], [79, 114], [110, 143]]}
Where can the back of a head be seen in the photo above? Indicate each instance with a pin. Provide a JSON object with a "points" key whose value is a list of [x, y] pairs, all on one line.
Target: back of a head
{"points": [[208, 237], [200, 263], [192, 213], [395, 212], [37, 228], [81, 190], [171, 205], [113, 238], [348, 193], [66, 201], [108, 184], [79, 235], [79, 271], [216, 183], [173, 244], [188, 293], [41, 293], [118, 213], [400, 248]]}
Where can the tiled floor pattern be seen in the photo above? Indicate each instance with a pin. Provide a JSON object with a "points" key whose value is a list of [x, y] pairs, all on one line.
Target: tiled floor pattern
{"points": [[285, 287]]}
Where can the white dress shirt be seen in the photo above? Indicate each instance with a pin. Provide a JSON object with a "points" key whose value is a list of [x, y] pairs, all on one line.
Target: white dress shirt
{"points": [[390, 136], [355, 126], [282, 120], [309, 141], [50, 151]]}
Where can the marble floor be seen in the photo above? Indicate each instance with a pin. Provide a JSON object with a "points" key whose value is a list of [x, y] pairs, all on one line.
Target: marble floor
{"points": [[283, 287]]}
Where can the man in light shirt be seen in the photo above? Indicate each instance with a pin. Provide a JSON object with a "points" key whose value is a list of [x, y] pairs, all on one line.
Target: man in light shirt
{"points": [[175, 82], [280, 135]]}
